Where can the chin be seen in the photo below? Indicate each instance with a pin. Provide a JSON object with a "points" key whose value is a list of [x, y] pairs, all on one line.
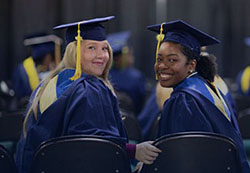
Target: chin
{"points": [[165, 84]]}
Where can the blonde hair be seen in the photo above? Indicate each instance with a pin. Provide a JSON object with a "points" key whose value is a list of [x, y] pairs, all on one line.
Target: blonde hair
{"points": [[67, 62], [162, 94]]}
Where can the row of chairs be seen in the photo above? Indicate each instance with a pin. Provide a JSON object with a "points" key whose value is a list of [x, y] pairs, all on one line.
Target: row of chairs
{"points": [[183, 152]]}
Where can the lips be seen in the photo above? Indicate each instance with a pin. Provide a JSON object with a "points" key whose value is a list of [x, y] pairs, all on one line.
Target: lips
{"points": [[99, 63]]}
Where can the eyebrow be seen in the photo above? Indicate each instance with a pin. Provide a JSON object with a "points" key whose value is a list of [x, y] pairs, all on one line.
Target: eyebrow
{"points": [[95, 43], [168, 55]]}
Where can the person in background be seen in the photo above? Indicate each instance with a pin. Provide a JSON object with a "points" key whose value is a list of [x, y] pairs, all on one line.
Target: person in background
{"points": [[45, 55], [195, 104], [129, 83], [243, 77], [151, 112], [77, 97]]}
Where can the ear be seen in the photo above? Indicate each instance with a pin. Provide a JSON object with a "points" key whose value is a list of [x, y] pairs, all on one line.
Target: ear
{"points": [[192, 65]]}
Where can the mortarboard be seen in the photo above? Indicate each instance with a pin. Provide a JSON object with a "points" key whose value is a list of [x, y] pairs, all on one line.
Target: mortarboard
{"points": [[119, 41], [42, 44], [181, 32], [90, 29], [247, 41]]}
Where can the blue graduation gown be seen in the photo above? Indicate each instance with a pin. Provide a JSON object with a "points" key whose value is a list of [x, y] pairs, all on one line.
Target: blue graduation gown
{"points": [[23, 77], [84, 106], [132, 82], [191, 108]]}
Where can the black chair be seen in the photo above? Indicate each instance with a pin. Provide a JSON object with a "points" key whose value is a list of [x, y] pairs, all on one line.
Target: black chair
{"points": [[80, 154], [7, 164], [195, 152], [132, 127], [10, 126], [154, 129], [125, 102], [10, 129], [242, 102], [244, 123]]}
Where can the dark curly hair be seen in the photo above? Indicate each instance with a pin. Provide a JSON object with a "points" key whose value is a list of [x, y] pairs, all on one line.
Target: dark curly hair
{"points": [[206, 63]]}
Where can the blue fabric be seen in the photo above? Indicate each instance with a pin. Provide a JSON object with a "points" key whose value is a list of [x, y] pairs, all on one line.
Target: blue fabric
{"points": [[91, 29], [148, 115], [183, 33], [86, 106], [39, 51], [20, 82], [118, 40], [132, 82], [189, 110]]}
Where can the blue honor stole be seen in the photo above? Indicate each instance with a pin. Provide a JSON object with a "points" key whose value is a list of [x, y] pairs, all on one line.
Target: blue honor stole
{"points": [[55, 88], [198, 85]]}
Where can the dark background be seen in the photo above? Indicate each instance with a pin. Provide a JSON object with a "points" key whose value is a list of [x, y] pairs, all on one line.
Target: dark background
{"points": [[227, 20]]}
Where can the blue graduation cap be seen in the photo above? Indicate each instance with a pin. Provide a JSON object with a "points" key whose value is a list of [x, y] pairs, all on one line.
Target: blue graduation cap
{"points": [[90, 29], [247, 41], [119, 41], [42, 44], [180, 32]]}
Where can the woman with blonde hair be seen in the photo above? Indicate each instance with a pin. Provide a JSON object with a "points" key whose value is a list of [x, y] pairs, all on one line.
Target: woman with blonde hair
{"points": [[77, 98]]}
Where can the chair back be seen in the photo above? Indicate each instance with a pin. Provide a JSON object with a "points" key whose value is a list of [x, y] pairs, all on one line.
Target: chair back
{"points": [[10, 126], [132, 127], [195, 152], [80, 154], [244, 121], [7, 164]]}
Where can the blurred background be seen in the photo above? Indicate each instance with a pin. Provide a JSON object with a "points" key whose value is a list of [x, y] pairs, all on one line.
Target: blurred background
{"points": [[227, 20]]}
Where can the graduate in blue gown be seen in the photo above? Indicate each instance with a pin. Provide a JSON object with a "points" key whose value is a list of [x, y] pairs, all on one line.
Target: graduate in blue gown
{"points": [[151, 112], [243, 77], [243, 81], [45, 55], [77, 98], [126, 79], [196, 104]]}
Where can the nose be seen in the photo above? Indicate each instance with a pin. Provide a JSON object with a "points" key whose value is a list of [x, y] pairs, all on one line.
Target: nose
{"points": [[163, 65], [100, 53]]}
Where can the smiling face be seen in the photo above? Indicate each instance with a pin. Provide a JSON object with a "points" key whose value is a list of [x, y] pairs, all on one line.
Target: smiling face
{"points": [[94, 57], [172, 66]]}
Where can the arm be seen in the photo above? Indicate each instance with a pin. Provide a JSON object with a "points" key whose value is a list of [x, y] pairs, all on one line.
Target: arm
{"points": [[144, 152]]}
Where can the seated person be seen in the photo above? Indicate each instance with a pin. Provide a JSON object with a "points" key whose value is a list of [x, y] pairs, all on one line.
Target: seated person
{"points": [[77, 98], [243, 77], [243, 81], [195, 104], [45, 55], [127, 80]]}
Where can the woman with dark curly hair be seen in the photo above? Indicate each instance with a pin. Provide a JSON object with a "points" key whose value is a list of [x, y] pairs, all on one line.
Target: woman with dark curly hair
{"points": [[196, 104]]}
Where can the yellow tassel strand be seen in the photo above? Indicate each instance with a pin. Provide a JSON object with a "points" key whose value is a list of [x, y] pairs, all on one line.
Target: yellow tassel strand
{"points": [[159, 37], [57, 54], [245, 80], [78, 72]]}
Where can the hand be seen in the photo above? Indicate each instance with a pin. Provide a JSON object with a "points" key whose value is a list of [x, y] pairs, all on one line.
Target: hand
{"points": [[146, 152], [138, 167]]}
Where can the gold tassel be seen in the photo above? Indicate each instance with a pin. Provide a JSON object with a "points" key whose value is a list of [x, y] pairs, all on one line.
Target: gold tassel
{"points": [[159, 37], [57, 53], [78, 72]]}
